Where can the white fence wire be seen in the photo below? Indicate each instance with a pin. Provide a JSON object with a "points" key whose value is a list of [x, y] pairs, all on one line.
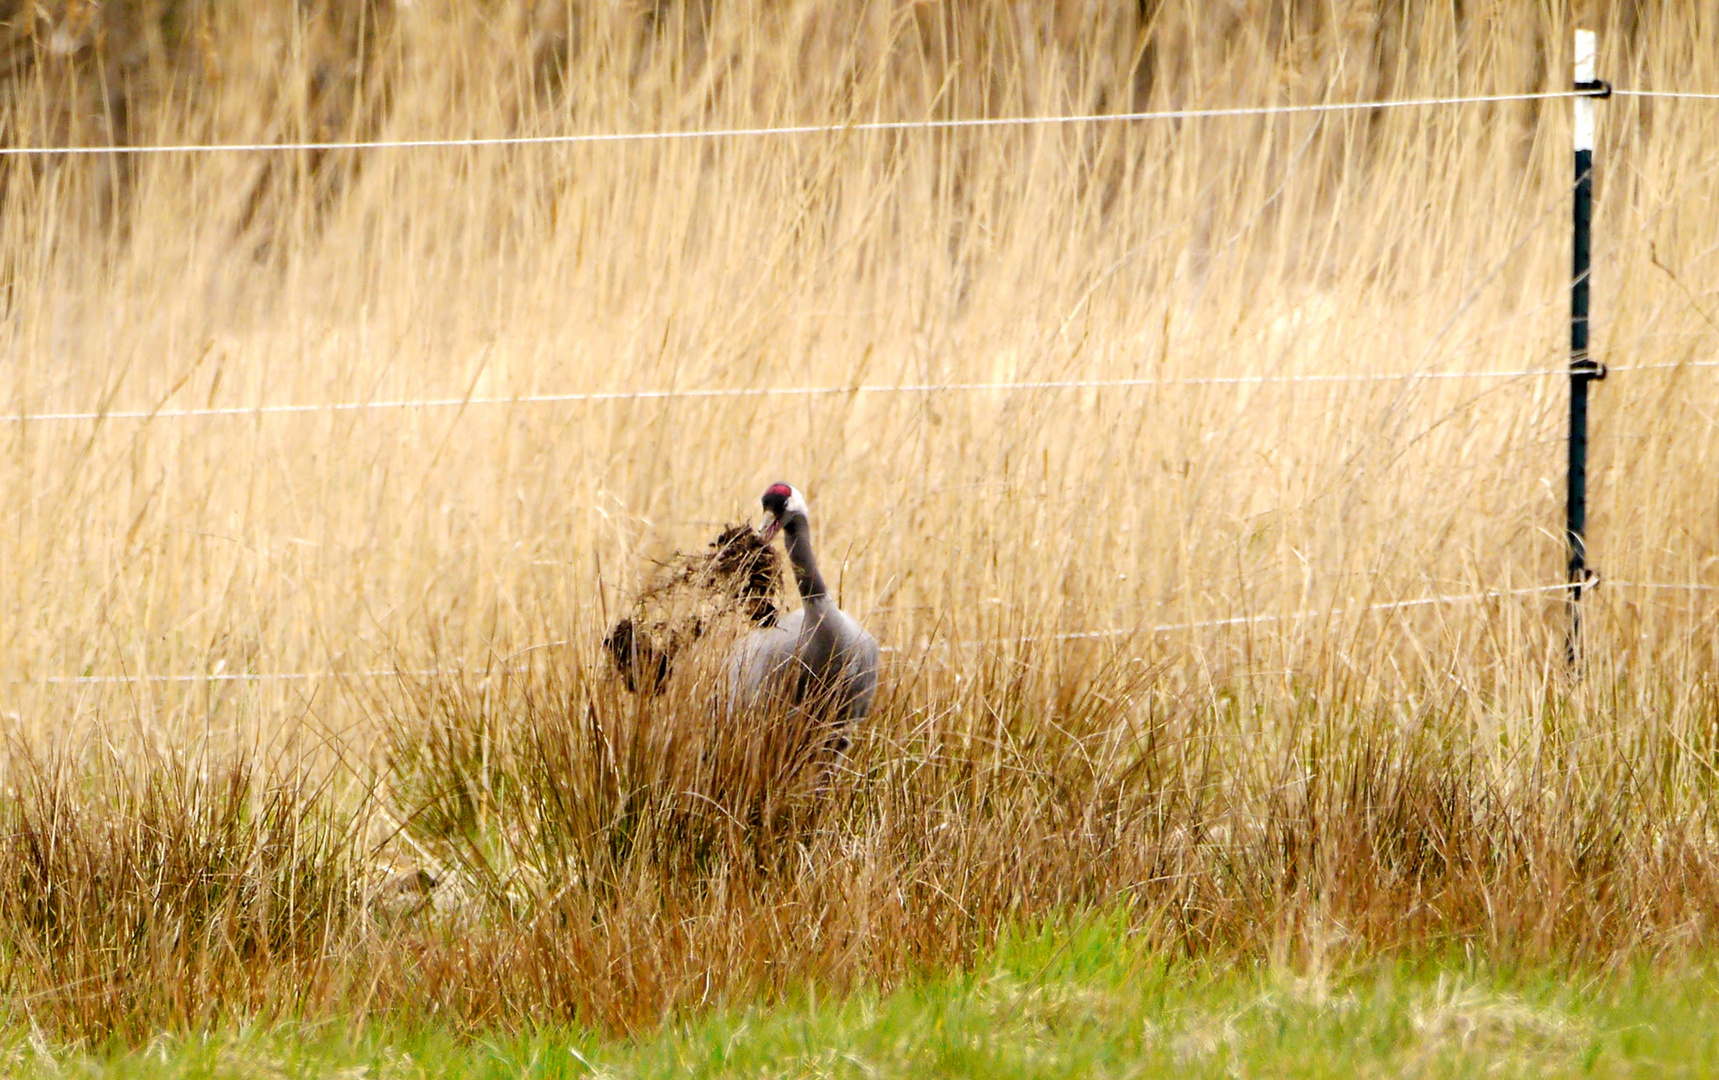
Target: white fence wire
{"points": [[809, 391], [1332, 613], [1686, 94], [750, 392], [1650, 586], [1162, 628], [1084, 635], [790, 129]]}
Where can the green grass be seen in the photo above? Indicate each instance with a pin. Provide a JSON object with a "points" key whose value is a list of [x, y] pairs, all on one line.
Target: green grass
{"points": [[1088, 1003]]}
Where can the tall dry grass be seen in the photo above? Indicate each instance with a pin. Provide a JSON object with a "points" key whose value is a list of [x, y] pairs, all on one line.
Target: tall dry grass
{"points": [[1351, 780]]}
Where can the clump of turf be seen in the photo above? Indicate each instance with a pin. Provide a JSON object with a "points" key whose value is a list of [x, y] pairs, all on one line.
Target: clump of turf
{"points": [[739, 573], [747, 570]]}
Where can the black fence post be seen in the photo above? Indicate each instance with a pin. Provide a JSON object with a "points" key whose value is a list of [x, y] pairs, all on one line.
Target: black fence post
{"points": [[1583, 370]]}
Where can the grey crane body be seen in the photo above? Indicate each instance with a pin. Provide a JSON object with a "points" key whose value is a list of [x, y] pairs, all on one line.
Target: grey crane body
{"points": [[817, 657]]}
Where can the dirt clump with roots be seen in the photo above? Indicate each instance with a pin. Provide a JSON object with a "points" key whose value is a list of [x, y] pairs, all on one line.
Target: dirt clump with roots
{"points": [[738, 575]]}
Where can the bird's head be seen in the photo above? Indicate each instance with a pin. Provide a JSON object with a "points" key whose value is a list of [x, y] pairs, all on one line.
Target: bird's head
{"points": [[783, 505]]}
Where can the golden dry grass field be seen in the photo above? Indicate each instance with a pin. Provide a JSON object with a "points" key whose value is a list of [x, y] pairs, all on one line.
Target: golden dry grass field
{"points": [[1327, 777]]}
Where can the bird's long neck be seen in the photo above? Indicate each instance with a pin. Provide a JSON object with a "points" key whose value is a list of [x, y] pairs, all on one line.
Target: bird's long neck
{"points": [[798, 539]]}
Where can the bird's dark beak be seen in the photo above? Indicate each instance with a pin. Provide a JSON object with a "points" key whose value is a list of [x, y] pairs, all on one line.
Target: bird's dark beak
{"points": [[771, 528]]}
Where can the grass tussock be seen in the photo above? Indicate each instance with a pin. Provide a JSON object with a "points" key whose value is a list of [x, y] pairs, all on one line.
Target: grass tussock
{"points": [[171, 891], [654, 861], [543, 846]]}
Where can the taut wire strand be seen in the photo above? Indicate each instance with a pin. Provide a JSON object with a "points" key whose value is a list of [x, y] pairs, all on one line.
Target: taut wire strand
{"points": [[795, 129], [1689, 94], [1300, 616], [766, 391], [285, 676]]}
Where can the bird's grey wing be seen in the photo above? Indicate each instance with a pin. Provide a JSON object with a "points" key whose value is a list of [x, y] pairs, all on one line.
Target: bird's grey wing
{"points": [[757, 659], [863, 672], [859, 656]]}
